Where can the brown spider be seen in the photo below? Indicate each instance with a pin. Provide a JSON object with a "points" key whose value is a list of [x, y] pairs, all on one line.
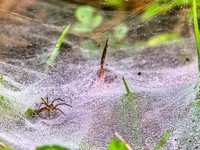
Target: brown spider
{"points": [[48, 107]]}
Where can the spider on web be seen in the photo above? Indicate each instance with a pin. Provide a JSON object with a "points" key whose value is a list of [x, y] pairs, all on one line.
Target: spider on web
{"points": [[49, 107]]}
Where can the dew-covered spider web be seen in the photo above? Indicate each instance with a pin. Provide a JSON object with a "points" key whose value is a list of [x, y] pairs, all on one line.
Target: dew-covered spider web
{"points": [[157, 57]]}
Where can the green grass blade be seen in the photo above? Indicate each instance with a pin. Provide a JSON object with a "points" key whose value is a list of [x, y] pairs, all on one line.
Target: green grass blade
{"points": [[116, 145], [8, 85], [163, 140], [51, 147], [196, 30], [4, 146], [56, 49], [127, 118], [126, 86]]}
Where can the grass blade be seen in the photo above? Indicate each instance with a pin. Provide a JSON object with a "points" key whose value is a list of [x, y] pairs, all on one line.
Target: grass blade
{"points": [[163, 140], [116, 145], [127, 119], [56, 49], [196, 30], [4, 146], [126, 86]]}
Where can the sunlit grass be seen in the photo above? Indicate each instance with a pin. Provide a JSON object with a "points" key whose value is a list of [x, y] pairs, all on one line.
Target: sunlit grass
{"points": [[56, 50], [52, 147], [4, 146], [196, 30], [116, 144]]}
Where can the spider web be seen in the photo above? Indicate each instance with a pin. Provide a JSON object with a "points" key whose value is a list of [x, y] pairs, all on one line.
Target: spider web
{"points": [[163, 78]]}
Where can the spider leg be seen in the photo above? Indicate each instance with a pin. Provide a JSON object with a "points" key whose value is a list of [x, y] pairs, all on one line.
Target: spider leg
{"points": [[40, 105], [60, 111], [47, 99], [57, 99], [62, 104], [40, 110], [46, 102], [39, 115]]}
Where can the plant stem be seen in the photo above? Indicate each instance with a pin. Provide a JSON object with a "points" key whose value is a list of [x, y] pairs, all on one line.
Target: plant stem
{"points": [[196, 30], [103, 57], [56, 50]]}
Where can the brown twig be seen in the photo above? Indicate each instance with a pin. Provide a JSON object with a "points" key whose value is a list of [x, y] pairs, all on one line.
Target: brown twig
{"points": [[101, 70], [123, 141]]}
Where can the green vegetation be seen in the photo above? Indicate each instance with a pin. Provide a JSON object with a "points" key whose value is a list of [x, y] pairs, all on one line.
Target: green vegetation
{"points": [[116, 145], [56, 49], [88, 19], [157, 7], [117, 36], [160, 6], [116, 39], [195, 109], [182, 7], [163, 140], [51, 147], [8, 108], [90, 47], [120, 31], [196, 30], [161, 38], [127, 115], [196, 103], [4, 146], [126, 86], [30, 113], [119, 4], [2, 100], [8, 85], [4, 103], [127, 120], [195, 112], [188, 137]]}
